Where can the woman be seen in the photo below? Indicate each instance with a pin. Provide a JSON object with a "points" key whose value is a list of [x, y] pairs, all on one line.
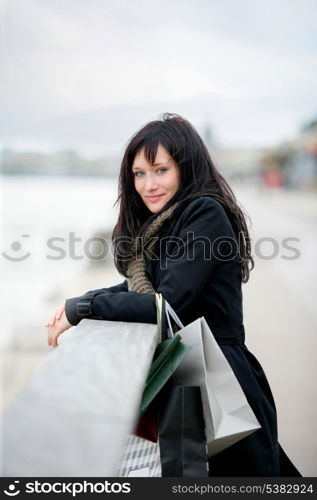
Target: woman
{"points": [[181, 232]]}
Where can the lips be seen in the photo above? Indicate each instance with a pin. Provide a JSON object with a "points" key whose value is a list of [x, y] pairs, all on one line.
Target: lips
{"points": [[154, 198]]}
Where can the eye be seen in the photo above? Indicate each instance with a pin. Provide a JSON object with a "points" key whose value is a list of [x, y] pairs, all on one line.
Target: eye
{"points": [[138, 174], [162, 170]]}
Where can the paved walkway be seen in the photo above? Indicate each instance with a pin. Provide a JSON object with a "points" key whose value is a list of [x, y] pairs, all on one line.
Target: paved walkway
{"points": [[281, 316]]}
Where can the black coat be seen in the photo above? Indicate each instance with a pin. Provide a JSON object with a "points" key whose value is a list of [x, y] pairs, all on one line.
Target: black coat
{"points": [[197, 268]]}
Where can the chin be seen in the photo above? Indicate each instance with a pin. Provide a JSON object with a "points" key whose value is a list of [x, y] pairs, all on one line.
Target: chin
{"points": [[155, 208]]}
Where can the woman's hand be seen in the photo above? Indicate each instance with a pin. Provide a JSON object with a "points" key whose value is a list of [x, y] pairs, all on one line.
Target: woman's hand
{"points": [[57, 325], [57, 315]]}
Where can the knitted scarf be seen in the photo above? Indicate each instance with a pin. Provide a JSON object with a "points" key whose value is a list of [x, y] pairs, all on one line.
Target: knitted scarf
{"points": [[142, 247]]}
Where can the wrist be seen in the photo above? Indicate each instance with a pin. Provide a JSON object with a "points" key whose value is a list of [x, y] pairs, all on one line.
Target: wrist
{"points": [[77, 308]]}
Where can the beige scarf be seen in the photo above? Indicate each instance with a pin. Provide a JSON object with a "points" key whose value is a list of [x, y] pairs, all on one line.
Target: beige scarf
{"points": [[138, 280]]}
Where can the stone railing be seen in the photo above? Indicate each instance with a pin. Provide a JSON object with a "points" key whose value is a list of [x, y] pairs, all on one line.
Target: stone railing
{"points": [[74, 415]]}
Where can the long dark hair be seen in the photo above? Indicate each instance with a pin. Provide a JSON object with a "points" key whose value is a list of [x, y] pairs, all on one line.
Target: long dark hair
{"points": [[198, 177]]}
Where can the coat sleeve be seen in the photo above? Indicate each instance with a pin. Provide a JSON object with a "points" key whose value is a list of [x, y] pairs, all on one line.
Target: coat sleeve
{"points": [[184, 272], [121, 287], [71, 304]]}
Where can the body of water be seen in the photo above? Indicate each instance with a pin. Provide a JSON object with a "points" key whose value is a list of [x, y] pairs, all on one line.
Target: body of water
{"points": [[47, 224]]}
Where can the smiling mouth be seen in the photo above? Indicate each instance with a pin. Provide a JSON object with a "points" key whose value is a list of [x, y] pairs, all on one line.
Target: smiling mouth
{"points": [[154, 197]]}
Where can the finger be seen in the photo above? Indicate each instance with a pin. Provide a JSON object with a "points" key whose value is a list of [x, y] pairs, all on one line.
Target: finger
{"points": [[55, 344], [50, 335], [52, 339], [52, 320], [60, 312], [56, 334]]}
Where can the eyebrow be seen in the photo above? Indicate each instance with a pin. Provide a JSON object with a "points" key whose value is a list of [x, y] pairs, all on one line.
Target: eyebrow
{"points": [[154, 165]]}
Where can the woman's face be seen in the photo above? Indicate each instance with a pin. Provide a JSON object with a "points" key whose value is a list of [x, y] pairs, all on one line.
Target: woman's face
{"points": [[157, 183]]}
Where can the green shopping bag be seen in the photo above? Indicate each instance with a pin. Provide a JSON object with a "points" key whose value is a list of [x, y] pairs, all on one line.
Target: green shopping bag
{"points": [[167, 357]]}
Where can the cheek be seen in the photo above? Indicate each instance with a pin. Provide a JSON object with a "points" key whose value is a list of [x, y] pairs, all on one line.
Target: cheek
{"points": [[176, 181], [171, 182], [137, 185]]}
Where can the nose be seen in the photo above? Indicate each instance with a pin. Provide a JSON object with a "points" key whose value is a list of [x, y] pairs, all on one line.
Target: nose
{"points": [[150, 182]]}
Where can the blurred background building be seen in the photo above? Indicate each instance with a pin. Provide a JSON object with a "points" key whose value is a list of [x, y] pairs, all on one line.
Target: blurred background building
{"points": [[78, 79]]}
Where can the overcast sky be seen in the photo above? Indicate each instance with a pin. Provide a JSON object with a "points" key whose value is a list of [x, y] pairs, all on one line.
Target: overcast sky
{"points": [[246, 67]]}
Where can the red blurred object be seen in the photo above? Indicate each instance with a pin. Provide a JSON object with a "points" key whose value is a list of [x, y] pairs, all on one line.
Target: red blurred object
{"points": [[273, 178]]}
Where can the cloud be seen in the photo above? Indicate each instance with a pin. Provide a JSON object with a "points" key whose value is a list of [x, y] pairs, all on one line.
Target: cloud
{"points": [[68, 57]]}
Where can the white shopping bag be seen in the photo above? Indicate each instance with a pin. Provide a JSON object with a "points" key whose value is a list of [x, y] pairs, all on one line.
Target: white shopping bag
{"points": [[228, 415]]}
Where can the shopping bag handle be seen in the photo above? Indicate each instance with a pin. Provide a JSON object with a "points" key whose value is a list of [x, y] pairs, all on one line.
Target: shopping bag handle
{"points": [[160, 316], [169, 312], [163, 306]]}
